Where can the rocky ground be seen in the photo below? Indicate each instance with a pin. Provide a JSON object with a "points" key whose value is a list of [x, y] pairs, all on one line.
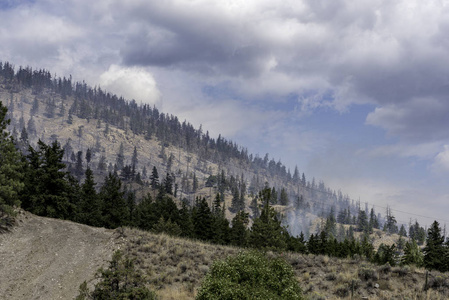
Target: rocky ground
{"points": [[44, 258]]}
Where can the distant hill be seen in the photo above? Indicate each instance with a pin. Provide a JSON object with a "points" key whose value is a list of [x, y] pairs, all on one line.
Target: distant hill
{"points": [[81, 117]]}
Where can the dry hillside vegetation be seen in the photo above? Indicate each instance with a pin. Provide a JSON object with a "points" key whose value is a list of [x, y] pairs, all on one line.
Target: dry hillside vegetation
{"points": [[175, 267], [43, 258]]}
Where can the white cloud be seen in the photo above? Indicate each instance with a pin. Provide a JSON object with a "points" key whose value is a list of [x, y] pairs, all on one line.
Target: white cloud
{"points": [[441, 161], [131, 83]]}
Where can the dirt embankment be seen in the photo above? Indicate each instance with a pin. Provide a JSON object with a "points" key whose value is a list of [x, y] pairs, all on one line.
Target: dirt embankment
{"points": [[44, 258]]}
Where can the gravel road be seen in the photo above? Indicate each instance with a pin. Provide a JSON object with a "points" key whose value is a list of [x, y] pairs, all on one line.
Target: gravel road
{"points": [[44, 258]]}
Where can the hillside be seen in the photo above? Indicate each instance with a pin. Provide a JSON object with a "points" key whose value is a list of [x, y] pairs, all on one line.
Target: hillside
{"points": [[82, 118], [44, 258]]}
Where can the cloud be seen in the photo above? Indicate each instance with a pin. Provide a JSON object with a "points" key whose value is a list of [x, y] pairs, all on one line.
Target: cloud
{"points": [[441, 161], [131, 83], [418, 120]]}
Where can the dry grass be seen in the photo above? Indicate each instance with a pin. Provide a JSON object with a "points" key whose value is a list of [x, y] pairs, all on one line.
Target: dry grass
{"points": [[175, 267]]}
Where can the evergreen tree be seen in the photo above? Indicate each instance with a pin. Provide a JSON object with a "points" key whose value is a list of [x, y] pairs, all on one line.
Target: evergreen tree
{"points": [[154, 179], [373, 221], [434, 252], [412, 254], [220, 224], [35, 107], [46, 185], [267, 232], [115, 209], [202, 220], [120, 161], [194, 183], [330, 227], [134, 161], [167, 185], [417, 233], [185, 221], [31, 127], [120, 281], [362, 222], [254, 206], [11, 173], [90, 203], [145, 213], [402, 231], [102, 164], [79, 170], [283, 200], [239, 232], [88, 156]]}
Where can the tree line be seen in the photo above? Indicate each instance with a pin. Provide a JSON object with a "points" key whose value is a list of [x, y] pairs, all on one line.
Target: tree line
{"points": [[94, 103], [40, 184]]}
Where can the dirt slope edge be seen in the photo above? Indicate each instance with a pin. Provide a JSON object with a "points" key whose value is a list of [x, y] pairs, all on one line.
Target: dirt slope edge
{"points": [[43, 258]]}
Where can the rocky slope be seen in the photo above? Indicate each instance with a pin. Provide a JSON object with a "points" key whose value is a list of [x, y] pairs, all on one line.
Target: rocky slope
{"points": [[44, 258]]}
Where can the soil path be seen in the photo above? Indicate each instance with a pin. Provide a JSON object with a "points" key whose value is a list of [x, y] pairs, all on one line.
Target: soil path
{"points": [[44, 258]]}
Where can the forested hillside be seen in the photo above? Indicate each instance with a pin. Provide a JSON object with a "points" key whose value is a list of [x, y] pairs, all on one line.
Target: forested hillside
{"points": [[73, 152], [108, 133], [95, 158]]}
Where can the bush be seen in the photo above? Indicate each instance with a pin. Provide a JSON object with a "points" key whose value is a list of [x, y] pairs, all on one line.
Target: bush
{"points": [[120, 281], [367, 273], [250, 275]]}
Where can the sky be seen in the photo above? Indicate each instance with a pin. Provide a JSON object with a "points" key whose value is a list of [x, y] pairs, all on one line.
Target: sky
{"points": [[354, 93]]}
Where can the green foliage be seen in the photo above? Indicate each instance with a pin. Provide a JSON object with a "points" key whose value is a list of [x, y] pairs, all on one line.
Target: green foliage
{"points": [[115, 208], [250, 275], [202, 220], [385, 255], [120, 281], [47, 188], [90, 206], [434, 251], [167, 227], [267, 232], [11, 166], [239, 231], [412, 254]]}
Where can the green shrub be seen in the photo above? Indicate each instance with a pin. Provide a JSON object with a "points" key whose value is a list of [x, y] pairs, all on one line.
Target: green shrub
{"points": [[250, 275], [120, 281]]}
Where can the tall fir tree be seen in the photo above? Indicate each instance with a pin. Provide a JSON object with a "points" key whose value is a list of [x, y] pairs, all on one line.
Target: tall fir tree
{"points": [[267, 232], [434, 251], [11, 166], [115, 209], [46, 182], [90, 210]]}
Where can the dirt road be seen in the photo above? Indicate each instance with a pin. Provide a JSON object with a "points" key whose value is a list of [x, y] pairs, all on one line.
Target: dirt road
{"points": [[44, 258]]}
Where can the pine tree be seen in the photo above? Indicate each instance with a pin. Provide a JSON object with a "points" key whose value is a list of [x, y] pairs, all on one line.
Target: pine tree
{"points": [[202, 220], [402, 231], [154, 179], [90, 203], [88, 156], [115, 209], [283, 200], [362, 222], [267, 232], [185, 221], [412, 254], [239, 233], [120, 161], [11, 173], [46, 184], [434, 250], [79, 170]]}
